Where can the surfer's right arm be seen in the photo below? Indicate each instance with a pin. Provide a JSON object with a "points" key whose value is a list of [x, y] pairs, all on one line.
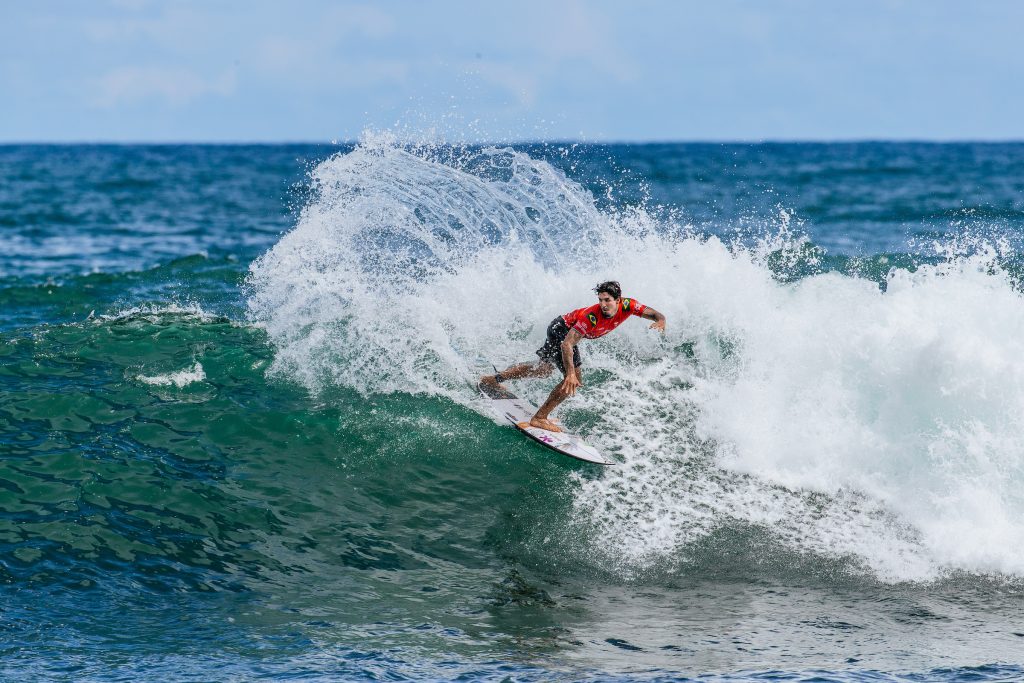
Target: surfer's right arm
{"points": [[572, 378]]}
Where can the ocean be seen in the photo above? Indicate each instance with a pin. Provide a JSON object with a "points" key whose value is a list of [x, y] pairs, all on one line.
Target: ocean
{"points": [[240, 439]]}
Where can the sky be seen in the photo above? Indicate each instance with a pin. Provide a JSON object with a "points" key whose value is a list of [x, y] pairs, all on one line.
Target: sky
{"points": [[632, 71]]}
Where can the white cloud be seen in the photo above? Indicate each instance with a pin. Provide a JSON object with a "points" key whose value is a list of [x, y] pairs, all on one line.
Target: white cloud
{"points": [[131, 5], [519, 83], [172, 26], [178, 26], [365, 20], [578, 31], [174, 85], [304, 64], [366, 72]]}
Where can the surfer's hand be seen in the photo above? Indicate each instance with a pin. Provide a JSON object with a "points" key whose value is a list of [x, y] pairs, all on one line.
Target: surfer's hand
{"points": [[659, 325], [570, 384]]}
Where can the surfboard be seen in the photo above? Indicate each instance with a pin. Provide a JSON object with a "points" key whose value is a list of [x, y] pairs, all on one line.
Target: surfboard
{"points": [[519, 411]]}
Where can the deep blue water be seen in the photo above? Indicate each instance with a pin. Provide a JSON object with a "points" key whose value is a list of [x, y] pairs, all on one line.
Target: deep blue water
{"points": [[239, 438]]}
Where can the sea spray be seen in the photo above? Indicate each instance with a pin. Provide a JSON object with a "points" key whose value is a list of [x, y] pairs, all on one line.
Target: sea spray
{"points": [[412, 271], [904, 406], [387, 528], [406, 261]]}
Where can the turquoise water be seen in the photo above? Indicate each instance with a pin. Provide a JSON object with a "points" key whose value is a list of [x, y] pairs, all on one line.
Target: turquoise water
{"points": [[240, 439]]}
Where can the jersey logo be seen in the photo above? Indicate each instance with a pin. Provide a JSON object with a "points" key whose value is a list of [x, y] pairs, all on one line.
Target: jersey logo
{"points": [[593, 319], [625, 304]]}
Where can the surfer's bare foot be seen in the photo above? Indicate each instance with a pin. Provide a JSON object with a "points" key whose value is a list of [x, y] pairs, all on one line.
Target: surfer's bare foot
{"points": [[489, 381], [544, 423]]}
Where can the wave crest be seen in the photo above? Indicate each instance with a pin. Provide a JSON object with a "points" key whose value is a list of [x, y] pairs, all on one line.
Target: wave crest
{"points": [[413, 268]]}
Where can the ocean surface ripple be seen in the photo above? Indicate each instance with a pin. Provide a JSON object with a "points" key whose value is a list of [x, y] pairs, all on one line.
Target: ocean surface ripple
{"points": [[240, 436]]}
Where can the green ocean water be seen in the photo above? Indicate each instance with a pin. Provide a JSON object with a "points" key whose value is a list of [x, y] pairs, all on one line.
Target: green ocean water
{"points": [[240, 438], [245, 506]]}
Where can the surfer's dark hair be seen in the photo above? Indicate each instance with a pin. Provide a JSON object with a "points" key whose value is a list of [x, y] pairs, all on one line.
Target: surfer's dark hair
{"points": [[611, 288]]}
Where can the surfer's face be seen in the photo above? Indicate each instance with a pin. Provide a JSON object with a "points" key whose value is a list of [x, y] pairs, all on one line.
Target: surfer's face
{"points": [[609, 304]]}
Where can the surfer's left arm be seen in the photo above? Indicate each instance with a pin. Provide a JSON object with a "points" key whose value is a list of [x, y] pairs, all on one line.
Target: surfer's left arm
{"points": [[659, 320]]}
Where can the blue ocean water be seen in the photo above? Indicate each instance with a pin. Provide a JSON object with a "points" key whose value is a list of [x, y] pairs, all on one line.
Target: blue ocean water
{"points": [[239, 437]]}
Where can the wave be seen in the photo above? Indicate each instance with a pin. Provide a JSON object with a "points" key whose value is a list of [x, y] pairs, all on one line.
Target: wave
{"points": [[869, 413]]}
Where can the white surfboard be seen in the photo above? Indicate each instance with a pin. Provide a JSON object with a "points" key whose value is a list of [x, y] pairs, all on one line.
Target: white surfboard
{"points": [[519, 411]]}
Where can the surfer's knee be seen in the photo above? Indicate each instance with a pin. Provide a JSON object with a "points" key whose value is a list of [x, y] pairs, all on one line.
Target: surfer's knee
{"points": [[544, 368]]}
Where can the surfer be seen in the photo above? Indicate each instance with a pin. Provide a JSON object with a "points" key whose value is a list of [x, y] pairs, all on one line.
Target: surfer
{"points": [[560, 349]]}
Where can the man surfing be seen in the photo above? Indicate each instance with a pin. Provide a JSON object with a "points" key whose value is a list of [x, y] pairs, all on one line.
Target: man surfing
{"points": [[560, 349]]}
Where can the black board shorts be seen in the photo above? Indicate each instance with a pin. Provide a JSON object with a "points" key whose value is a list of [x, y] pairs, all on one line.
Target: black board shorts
{"points": [[552, 349]]}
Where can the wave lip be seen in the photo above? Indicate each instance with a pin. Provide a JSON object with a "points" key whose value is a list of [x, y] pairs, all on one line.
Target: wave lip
{"points": [[864, 421]]}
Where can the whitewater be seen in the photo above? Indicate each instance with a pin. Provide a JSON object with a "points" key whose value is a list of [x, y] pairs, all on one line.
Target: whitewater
{"points": [[876, 422], [240, 436]]}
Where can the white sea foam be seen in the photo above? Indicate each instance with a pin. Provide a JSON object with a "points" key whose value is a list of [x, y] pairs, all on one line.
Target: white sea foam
{"points": [[180, 379], [154, 313], [847, 421]]}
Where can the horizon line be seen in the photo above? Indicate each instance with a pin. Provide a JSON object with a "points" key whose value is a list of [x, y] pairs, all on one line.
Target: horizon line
{"points": [[553, 141]]}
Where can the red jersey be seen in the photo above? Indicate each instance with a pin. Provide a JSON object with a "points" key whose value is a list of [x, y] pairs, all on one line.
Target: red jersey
{"points": [[591, 323]]}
